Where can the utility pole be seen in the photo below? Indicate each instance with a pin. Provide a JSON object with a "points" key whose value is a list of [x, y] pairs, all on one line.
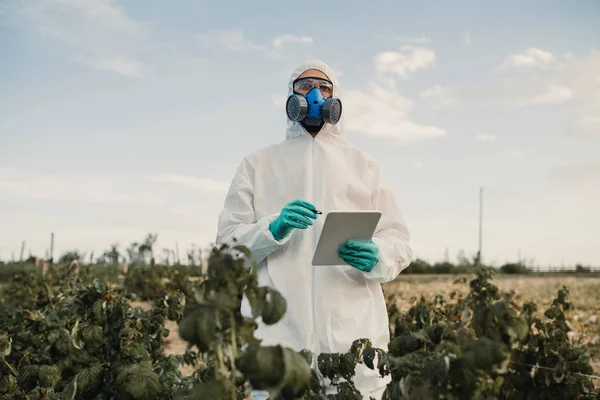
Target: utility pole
{"points": [[480, 224], [52, 248], [22, 251]]}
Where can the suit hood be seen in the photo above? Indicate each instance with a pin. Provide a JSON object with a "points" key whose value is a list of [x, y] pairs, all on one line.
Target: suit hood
{"points": [[294, 128]]}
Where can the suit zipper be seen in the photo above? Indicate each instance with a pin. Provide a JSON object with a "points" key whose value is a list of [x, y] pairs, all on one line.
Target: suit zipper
{"points": [[314, 238]]}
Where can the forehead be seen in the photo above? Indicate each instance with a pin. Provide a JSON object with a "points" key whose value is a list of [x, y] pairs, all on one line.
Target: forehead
{"points": [[314, 73]]}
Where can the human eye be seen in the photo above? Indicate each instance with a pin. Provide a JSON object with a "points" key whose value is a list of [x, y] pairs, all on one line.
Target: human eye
{"points": [[326, 89]]}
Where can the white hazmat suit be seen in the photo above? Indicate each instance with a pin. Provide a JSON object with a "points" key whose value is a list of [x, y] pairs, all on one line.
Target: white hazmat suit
{"points": [[328, 307]]}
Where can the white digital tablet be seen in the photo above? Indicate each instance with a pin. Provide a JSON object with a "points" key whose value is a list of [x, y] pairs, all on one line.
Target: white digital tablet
{"points": [[339, 227]]}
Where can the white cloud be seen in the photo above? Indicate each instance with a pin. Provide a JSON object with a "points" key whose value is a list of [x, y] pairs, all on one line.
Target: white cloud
{"points": [[588, 126], [236, 40], [96, 33], [485, 137], [514, 153], [510, 92], [414, 40], [418, 164], [581, 74], [338, 72], [574, 79], [232, 39], [554, 94], [531, 58], [467, 39], [588, 171], [441, 97], [121, 65], [282, 40], [279, 100], [94, 12], [190, 182], [71, 186], [383, 113], [38, 185], [91, 211], [409, 60]]}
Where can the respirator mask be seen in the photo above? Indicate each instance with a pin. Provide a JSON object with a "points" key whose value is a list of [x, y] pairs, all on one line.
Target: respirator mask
{"points": [[312, 105]]}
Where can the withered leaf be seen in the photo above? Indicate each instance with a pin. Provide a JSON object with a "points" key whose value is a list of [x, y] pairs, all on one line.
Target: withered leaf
{"points": [[199, 326], [275, 307], [358, 346], [264, 366], [369, 357], [5, 344]]}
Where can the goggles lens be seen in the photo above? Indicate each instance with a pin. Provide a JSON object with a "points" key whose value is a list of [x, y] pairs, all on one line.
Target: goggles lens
{"points": [[304, 85]]}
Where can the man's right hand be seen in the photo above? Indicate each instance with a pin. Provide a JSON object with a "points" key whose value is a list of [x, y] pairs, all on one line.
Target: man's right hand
{"points": [[295, 215]]}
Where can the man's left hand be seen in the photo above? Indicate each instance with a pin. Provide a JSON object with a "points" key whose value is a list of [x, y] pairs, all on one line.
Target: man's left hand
{"points": [[360, 255]]}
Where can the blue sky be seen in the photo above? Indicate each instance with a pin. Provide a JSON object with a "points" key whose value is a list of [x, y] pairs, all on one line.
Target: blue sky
{"points": [[119, 118]]}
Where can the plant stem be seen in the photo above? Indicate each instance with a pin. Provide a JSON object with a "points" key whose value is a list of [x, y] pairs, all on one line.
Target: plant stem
{"points": [[221, 368], [233, 353], [233, 337], [11, 368], [49, 294]]}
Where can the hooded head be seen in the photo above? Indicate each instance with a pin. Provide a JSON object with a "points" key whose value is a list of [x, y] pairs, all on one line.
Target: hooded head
{"points": [[295, 128]]}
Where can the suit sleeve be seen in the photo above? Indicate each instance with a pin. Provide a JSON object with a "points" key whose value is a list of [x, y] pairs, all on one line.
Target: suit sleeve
{"points": [[392, 235], [237, 224]]}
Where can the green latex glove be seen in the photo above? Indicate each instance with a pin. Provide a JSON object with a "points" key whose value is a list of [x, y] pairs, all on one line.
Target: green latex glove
{"points": [[360, 255], [295, 215]]}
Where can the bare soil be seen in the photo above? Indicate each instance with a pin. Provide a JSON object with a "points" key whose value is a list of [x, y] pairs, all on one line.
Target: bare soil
{"points": [[173, 344]]}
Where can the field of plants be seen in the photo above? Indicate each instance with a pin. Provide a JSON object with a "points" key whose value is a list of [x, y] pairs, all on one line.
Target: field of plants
{"points": [[89, 331]]}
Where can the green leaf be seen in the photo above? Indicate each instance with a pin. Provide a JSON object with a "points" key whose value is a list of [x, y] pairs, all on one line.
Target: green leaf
{"points": [[63, 341], [76, 338], [199, 326], [98, 311], [559, 371], [275, 307], [407, 343], [275, 369], [220, 388], [347, 365], [264, 366], [257, 297], [369, 357], [92, 335], [486, 355], [49, 376], [5, 345], [383, 362], [90, 379], [139, 381], [297, 374], [347, 391], [358, 347], [8, 385], [70, 390], [28, 376], [144, 387]]}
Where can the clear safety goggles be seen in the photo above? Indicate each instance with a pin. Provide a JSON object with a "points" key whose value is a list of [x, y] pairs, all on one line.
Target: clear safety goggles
{"points": [[303, 85]]}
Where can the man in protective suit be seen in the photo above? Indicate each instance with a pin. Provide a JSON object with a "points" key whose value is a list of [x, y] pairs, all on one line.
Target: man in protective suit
{"points": [[271, 208]]}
